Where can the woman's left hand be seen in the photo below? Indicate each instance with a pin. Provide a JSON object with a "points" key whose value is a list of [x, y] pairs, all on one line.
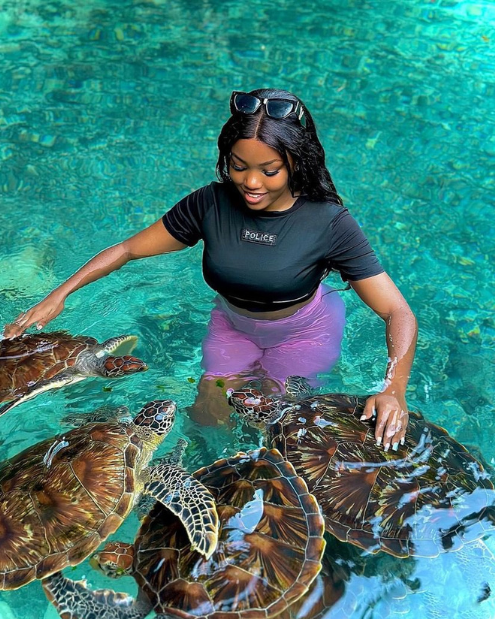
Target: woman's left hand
{"points": [[391, 419]]}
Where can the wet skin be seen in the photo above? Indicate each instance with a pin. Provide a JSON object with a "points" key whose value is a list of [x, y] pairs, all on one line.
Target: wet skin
{"points": [[259, 173]]}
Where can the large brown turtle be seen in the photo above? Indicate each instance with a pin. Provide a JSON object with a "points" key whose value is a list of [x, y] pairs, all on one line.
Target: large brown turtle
{"points": [[269, 552], [60, 498], [429, 496], [33, 363]]}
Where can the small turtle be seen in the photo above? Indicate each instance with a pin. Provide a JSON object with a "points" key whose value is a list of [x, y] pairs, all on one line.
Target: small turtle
{"points": [[60, 498], [33, 363], [269, 552], [428, 497]]}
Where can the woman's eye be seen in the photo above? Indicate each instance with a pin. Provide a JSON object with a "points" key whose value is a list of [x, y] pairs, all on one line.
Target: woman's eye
{"points": [[237, 168], [271, 173]]}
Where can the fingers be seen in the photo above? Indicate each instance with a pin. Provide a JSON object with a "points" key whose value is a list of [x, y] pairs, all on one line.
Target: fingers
{"points": [[399, 437], [391, 429], [17, 327], [39, 315], [391, 420], [369, 410], [21, 323]]}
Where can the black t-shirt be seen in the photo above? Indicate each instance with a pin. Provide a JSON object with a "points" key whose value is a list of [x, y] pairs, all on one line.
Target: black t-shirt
{"points": [[263, 261]]}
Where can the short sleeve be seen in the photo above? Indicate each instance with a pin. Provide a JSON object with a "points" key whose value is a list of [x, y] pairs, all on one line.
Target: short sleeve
{"points": [[183, 220], [350, 252]]}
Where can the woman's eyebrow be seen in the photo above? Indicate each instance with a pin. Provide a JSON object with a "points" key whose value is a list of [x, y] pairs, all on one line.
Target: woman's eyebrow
{"points": [[261, 164]]}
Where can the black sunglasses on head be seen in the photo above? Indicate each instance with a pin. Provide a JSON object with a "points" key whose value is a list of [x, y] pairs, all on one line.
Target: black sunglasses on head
{"points": [[245, 103]]}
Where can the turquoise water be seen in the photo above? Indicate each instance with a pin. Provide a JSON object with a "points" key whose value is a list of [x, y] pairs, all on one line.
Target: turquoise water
{"points": [[109, 113]]}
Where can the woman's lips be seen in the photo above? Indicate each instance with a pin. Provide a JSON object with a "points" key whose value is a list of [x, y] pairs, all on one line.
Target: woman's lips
{"points": [[253, 198]]}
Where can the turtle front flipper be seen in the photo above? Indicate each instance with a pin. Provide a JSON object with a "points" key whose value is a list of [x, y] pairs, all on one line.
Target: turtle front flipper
{"points": [[190, 501], [113, 358], [120, 345], [60, 380], [174, 458], [73, 600], [298, 387], [103, 414]]}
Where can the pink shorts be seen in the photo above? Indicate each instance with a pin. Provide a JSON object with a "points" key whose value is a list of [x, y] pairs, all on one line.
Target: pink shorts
{"points": [[304, 344]]}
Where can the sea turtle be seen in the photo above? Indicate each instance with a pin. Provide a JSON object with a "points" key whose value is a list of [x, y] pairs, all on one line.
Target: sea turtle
{"points": [[60, 498], [33, 363], [269, 552], [427, 497]]}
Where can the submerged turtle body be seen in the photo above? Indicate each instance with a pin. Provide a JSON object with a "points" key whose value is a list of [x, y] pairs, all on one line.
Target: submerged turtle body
{"points": [[427, 497], [60, 498], [33, 363], [269, 551]]}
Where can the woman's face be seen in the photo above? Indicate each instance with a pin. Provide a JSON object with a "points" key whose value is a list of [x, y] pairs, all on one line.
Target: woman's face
{"points": [[260, 175]]}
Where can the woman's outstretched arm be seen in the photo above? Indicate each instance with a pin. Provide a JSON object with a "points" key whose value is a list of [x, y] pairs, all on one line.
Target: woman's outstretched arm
{"points": [[384, 298], [151, 241]]}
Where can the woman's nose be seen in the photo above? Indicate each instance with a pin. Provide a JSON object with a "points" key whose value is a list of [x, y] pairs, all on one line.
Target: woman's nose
{"points": [[252, 180]]}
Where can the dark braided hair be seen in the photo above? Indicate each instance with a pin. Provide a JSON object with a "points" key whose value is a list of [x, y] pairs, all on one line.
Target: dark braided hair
{"points": [[308, 175]]}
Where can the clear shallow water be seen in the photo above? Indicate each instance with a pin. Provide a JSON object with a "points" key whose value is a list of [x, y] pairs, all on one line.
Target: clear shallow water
{"points": [[109, 113]]}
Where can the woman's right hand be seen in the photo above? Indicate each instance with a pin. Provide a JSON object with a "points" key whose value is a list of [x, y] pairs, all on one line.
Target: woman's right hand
{"points": [[151, 241], [40, 315]]}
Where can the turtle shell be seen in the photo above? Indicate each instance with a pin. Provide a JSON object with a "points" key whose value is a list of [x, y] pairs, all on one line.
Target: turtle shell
{"points": [[269, 551], [61, 497], [427, 497], [31, 358], [325, 591]]}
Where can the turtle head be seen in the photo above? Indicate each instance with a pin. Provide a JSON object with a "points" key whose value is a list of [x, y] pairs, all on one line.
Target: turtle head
{"points": [[115, 367], [157, 416], [253, 406], [114, 560]]}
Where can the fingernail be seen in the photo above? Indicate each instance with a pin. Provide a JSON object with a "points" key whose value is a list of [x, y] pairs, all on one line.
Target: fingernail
{"points": [[387, 446], [395, 446], [362, 418], [379, 441], [402, 440], [39, 327]]}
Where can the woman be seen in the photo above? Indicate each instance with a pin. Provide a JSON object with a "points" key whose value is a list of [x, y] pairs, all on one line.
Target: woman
{"points": [[273, 228]]}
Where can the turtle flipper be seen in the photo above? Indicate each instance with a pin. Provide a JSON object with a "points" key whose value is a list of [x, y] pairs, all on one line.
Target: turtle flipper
{"points": [[102, 414], [120, 345], [60, 380], [298, 387], [174, 458], [190, 501], [73, 600]]}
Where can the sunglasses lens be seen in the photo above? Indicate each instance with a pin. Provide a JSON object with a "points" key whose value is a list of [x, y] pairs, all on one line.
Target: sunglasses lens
{"points": [[277, 108], [247, 104]]}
